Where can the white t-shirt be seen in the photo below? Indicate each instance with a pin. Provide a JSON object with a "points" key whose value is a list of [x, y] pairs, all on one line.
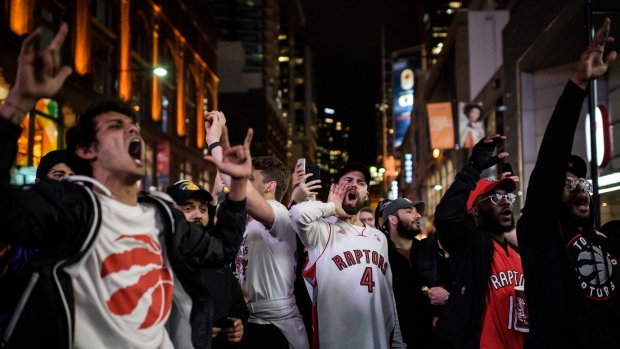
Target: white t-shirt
{"points": [[123, 286], [267, 260], [348, 268]]}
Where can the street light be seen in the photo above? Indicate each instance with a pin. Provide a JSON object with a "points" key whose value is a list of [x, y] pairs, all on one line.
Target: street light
{"points": [[158, 70]]}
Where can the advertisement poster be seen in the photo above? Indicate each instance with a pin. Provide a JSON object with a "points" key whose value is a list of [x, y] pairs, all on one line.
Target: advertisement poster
{"points": [[471, 124], [441, 125]]}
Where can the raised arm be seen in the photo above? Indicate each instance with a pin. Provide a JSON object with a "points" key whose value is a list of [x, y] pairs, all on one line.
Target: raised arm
{"points": [[39, 75], [538, 224], [35, 216], [258, 208], [451, 217]]}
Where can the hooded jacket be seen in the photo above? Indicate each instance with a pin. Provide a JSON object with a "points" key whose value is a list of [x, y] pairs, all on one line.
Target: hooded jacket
{"points": [[572, 277]]}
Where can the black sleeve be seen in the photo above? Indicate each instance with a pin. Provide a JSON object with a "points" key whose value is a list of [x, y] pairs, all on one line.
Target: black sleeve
{"points": [[451, 217], [539, 222], [214, 248], [45, 214], [239, 309]]}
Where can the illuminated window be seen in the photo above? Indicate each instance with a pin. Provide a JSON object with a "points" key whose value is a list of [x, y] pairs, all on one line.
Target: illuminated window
{"points": [[190, 100], [40, 134]]}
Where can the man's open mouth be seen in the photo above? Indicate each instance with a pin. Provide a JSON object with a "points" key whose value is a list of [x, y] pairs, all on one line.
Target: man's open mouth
{"points": [[351, 197], [136, 150], [581, 203]]}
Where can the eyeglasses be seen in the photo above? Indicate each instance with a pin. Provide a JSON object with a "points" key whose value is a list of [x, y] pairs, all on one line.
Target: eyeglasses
{"points": [[497, 197], [571, 184]]}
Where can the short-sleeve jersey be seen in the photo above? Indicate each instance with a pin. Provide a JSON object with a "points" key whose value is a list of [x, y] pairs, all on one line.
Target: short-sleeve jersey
{"points": [[348, 268], [498, 318], [267, 259]]}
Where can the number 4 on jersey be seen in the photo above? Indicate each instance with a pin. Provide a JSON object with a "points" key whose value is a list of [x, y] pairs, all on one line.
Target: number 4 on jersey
{"points": [[367, 279]]}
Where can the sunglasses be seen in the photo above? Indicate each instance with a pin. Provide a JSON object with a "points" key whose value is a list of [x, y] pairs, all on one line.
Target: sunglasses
{"points": [[571, 184], [497, 197]]}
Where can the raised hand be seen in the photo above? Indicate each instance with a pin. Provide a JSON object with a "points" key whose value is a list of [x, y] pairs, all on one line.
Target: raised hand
{"points": [[482, 154], [214, 127], [303, 191], [39, 74], [591, 63], [336, 195], [236, 161]]}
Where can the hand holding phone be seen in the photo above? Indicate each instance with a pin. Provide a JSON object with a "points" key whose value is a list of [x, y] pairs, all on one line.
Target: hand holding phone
{"points": [[227, 322], [316, 172]]}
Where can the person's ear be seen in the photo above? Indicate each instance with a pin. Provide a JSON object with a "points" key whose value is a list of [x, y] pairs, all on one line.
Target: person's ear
{"points": [[86, 152], [392, 219], [272, 186]]}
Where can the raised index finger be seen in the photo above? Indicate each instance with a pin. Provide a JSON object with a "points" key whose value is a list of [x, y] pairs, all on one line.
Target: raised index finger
{"points": [[59, 38], [248, 138]]}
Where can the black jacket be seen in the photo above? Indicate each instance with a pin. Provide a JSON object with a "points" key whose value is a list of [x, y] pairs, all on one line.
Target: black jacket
{"points": [[410, 301], [63, 219], [471, 252], [560, 314], [227, 300]]}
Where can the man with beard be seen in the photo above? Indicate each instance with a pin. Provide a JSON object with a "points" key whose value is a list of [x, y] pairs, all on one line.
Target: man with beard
{"points": [[572, 272], [472, 219], [347, 267], [401, 218]]}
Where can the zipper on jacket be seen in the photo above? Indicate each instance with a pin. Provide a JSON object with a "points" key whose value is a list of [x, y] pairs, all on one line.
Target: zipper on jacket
{"points": [[62, 263], [20, 307]]}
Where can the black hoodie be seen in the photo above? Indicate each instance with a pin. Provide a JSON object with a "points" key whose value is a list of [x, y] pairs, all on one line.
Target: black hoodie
{"points": [[572, 277]]}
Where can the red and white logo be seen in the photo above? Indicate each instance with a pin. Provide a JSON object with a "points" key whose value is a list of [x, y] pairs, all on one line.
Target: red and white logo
{"points": [[154, 282]]}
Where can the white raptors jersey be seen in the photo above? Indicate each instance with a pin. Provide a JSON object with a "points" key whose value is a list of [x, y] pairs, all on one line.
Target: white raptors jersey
{"points": [[348, 268]]}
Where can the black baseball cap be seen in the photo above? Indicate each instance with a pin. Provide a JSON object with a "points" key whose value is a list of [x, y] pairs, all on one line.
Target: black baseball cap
{"points": [[183, 190], [379, 210], [50, 160], [577, 166], [355, 166], [400, 203]]}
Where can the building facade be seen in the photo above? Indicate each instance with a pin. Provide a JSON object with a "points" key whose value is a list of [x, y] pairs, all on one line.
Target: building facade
{"points": [[113, 47]]}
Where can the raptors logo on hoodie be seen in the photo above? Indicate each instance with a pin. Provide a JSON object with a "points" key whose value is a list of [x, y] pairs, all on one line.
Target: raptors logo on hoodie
{"points": [[598, 271]]}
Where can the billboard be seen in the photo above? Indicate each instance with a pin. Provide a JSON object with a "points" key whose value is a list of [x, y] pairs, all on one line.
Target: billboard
{"points": [[471, 124], [441, 125], [403, 82]]}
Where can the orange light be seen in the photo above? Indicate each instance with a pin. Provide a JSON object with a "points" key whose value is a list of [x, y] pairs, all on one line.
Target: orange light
{"points": [[124, 80], [436, 153], [20, 15], [82, 38]]}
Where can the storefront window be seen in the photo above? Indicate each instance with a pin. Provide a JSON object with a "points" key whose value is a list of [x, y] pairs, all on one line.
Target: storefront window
{"points": [[39, 135]]}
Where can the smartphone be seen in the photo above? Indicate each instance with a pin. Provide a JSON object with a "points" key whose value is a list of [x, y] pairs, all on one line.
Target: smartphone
{"points": [[316, 172], [302, 162], [224, 323], [507, 168]]}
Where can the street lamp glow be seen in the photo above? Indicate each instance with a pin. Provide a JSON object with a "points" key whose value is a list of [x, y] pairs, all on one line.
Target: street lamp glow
{"points": [[437, 187], [328, 111], [159, 71]]}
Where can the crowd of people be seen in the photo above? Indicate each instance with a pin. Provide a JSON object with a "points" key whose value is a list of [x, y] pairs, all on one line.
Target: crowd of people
{"points": [[88, 261]]}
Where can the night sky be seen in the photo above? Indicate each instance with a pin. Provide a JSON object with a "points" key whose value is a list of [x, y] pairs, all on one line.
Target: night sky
{"points": [[345, 36]]}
